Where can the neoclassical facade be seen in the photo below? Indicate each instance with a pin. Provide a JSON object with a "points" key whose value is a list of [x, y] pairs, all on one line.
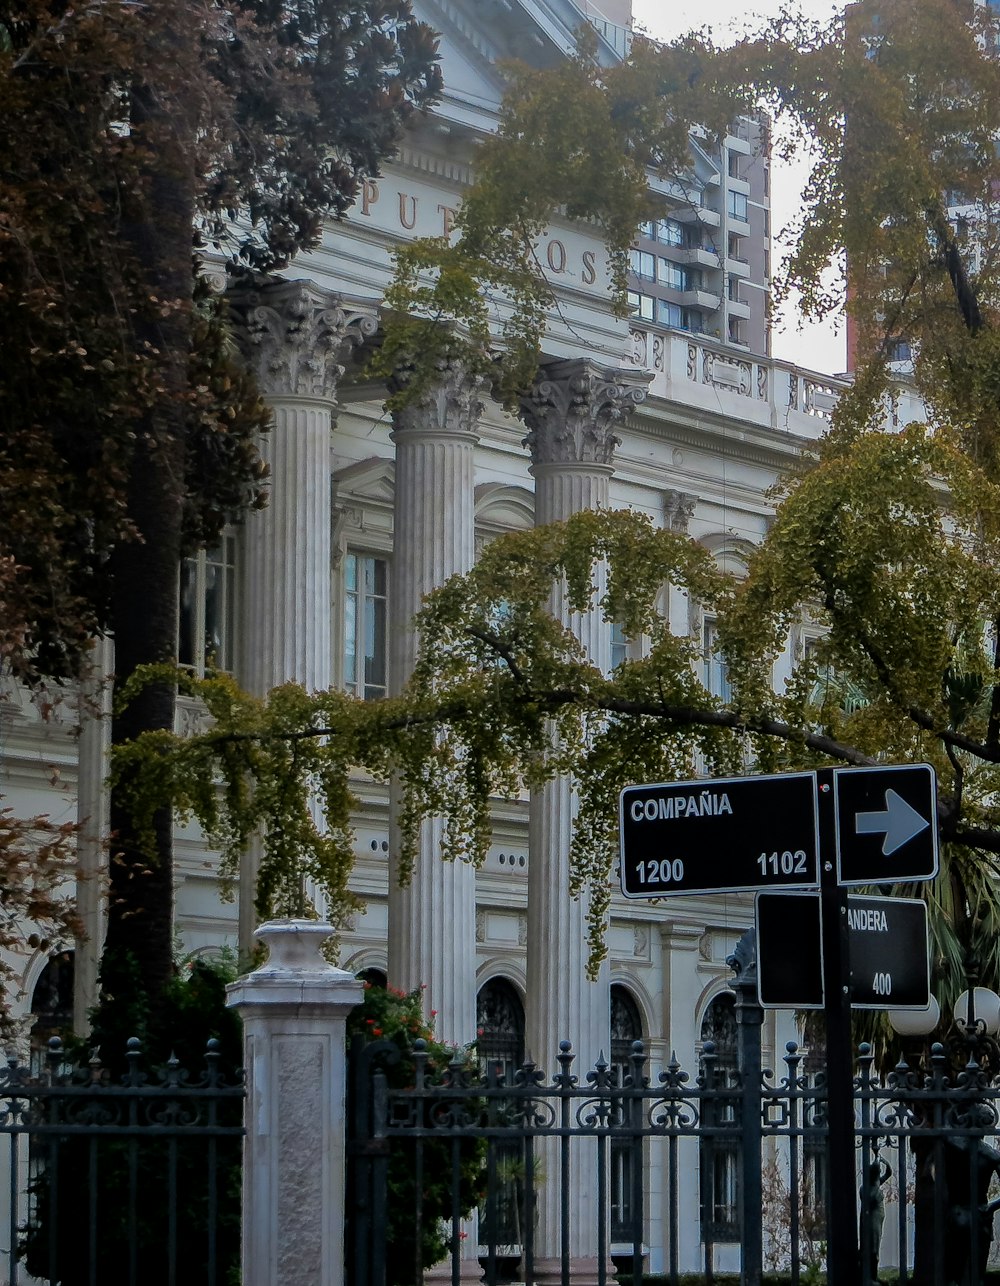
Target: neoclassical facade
{"points": [[368, 511]]}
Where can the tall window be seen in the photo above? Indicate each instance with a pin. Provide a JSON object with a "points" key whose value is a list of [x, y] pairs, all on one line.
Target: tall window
{"points": [[674, 275], [366, 641], [626, 1155], [720, 1154], [643, 264], [716, 672], [738, 206], [500, 1043], [207, 629], [619, 645], [51, 1007]]}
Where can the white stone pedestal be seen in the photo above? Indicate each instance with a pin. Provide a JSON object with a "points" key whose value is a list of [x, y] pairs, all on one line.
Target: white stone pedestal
{"points": [[294, 1009]]}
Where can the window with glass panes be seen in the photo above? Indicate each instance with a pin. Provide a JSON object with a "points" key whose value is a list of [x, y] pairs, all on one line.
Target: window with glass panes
{"points": [[738, 205], [716, 672], [720, 1152], [366, 582], [641, 305], [673, 275], [643, 264], [206, 636], [626, 1159], [670, 232]]}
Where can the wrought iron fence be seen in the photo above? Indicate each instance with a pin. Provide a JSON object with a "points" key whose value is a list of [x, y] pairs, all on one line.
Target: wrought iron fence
{"points": [[117, 1181], [928, 1167]]}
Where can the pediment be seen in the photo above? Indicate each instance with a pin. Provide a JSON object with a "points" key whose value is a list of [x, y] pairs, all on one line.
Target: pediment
{"points": [[476, 35], [502, 507], [370, 481]]}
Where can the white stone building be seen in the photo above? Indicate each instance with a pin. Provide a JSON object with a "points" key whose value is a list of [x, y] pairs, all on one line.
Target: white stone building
{"points": [[368, 512]]}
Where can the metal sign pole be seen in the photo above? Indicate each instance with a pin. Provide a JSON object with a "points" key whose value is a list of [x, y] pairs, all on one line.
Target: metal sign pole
{"points": [[842, 1242]]}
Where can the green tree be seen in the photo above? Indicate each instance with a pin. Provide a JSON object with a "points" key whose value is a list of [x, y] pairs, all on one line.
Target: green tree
{"points": [[887, 540], [137, 137]]}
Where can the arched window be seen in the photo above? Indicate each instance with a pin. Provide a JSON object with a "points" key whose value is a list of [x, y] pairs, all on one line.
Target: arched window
{"points": [[626, 1155], [720, 1156], [626, 1026], [51, 1006], [500, 1026], [500, 1042]]}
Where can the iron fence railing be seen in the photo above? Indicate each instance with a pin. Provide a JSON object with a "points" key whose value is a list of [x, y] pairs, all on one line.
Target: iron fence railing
{"points": [[926, 1144], [121, 1180]]}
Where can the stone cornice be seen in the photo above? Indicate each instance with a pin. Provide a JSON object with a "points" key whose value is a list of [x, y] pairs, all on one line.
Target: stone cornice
{"points": [[693, 427]]}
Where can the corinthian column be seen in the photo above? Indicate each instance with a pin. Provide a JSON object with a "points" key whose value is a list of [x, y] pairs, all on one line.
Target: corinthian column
{"points": [[432, 921], [293, 336], [571, 415]]}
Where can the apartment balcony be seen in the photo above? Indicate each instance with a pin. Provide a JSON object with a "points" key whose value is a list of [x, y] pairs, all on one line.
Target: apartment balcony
{"points": [[738, 308], [697, 256], [737, 267], [703, 299], [698, 214]]}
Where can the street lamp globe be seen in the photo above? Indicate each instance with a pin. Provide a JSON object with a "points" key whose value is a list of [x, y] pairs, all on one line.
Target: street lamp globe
{"points": [[916, 1022], [985, 1010]]}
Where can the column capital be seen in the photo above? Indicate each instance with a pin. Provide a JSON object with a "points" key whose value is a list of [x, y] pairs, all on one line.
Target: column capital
{"points": [[293, 334], [678, 509], [446, 402], [572, 410]]}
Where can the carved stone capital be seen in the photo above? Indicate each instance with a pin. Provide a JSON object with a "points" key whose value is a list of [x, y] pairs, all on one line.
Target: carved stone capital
{"points": [[293, 334], [678, 509], [448, 402], [573, 409]]}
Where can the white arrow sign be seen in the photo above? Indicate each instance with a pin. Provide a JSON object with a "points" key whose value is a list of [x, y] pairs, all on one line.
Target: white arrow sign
{"points": [[900, 822]]}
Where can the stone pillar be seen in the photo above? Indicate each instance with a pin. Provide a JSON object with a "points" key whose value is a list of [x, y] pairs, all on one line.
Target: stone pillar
{"points": [[94, 706], [432, 921], [571, 414], [293, 335], [294, 1010]]}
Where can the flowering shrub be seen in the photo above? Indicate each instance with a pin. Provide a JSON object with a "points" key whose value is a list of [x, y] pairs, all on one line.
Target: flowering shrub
{"points": [[389, 1014]]}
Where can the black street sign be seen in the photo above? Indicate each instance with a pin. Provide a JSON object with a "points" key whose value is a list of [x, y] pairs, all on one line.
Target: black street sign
{"points": [[886, 824], [887, 950], [789, 951], [721, 835]]}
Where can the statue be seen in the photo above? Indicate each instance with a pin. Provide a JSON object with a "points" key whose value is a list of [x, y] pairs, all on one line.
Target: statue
{"points": [[970, 1214], [873, 1205]]}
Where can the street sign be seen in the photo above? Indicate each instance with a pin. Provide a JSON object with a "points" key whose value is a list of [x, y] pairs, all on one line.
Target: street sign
{"points": [[789, 950], [886, 824], [887, 950], [720, 835]]}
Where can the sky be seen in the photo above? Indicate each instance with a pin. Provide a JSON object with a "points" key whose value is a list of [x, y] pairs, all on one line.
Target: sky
{"points": [[820, 347]]}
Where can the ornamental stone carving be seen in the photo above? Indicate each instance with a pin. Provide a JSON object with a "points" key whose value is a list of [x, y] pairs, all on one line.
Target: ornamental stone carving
{"points": [[293, 335], [573, 409], [446, 402], [678, 509]]}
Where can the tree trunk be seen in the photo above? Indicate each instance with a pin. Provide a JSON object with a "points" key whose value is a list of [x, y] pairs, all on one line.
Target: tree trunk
{"points": [[145, 571]]}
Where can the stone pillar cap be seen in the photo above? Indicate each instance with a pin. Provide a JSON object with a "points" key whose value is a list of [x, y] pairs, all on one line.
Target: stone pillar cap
{"points": [[294, 971]]}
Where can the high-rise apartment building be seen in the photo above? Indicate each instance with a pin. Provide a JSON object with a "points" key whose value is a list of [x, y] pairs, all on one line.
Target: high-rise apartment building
{"points": [[704, 265]]}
